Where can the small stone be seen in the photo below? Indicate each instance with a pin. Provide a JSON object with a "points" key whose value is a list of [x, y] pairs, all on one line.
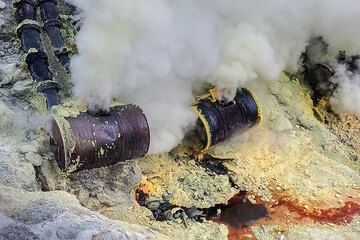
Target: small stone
{"points": [[2, 5], [282, 237], [34, 158], [153, 205], [5, 73], [321, 184], [354, 158], [2, 24], [281, 125], [22, 88], [7, 45], [218, 212], [28, 148], [18, 75], [2, 53], [7, 118]]}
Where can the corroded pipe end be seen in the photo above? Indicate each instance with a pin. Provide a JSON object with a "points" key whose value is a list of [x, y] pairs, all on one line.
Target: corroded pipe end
{"points": [[217, 122], [87, 141], [25, 9], [318, 77]]}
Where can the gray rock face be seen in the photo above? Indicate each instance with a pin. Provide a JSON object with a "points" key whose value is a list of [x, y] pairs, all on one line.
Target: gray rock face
{"points": [[34, 158], [28, 148], [2, 5], [11, 230], [6, 71], [57, 216], [22, 88], [2, 23], [7, 118]]}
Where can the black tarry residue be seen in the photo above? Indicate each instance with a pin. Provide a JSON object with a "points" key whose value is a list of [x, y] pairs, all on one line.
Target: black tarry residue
{"points": [[214, 165], [243, 213]]}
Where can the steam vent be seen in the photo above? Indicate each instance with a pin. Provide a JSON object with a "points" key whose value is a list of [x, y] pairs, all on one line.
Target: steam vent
{"points": [[179, 119]]}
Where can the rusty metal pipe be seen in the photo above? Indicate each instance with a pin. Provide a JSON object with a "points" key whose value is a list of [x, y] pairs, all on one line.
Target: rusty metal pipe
{"points": [[217, 121], [25, 9], [86, 141]]}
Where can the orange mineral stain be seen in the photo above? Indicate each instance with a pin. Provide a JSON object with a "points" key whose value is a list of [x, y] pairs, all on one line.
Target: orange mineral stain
{"points": [[239, 215]]}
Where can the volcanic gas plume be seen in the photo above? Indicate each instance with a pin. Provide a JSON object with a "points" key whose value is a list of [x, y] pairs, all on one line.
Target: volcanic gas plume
{"points": [[155, 53]]}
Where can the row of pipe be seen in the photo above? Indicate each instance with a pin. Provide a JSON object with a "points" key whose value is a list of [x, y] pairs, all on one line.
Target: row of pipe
{"points": [[52, 26], [28, 31], [92, 140], [99, 139]]}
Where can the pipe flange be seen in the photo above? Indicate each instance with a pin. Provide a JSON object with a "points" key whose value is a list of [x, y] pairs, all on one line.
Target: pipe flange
{"points": [[27, 24], [33, 55], [47, 85], [52, 23]]}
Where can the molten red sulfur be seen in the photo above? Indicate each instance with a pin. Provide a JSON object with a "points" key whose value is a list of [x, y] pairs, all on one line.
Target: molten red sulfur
{"points": [[339, 215], [238, 205]]}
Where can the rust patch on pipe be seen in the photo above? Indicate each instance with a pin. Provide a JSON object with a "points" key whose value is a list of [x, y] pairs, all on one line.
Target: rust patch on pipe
{"points": [[100, 141]]}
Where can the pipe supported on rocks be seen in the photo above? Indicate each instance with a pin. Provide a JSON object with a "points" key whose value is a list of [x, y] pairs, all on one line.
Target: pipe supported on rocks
{"points": [[219, 121], [28, 31], [85, 141], [52, 25]]}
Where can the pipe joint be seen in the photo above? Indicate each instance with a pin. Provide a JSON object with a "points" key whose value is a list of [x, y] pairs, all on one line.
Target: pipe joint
{"points": [[27, 25], [52, 23], [44, 86], [35, 55], [25, 10]]}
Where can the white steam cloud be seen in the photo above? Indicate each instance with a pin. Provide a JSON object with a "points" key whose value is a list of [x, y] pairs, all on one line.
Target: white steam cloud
{"points": [[347, 96], [154, 53]]}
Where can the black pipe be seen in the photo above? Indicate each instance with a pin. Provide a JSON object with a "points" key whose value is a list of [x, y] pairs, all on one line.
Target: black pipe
{"points": [[25, 9], [28, 32], [218, 121], [319, 78], [52, 25]]}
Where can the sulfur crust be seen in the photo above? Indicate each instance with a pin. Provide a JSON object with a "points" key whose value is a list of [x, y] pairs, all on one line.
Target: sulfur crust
{"points": [[258, 106], [38, 101], [66, 133], [25, 22], [206, 125], [69, 109]]}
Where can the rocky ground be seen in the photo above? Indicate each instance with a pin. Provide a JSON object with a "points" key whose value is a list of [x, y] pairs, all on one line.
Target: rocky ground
{"points": [[293, 158]]}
